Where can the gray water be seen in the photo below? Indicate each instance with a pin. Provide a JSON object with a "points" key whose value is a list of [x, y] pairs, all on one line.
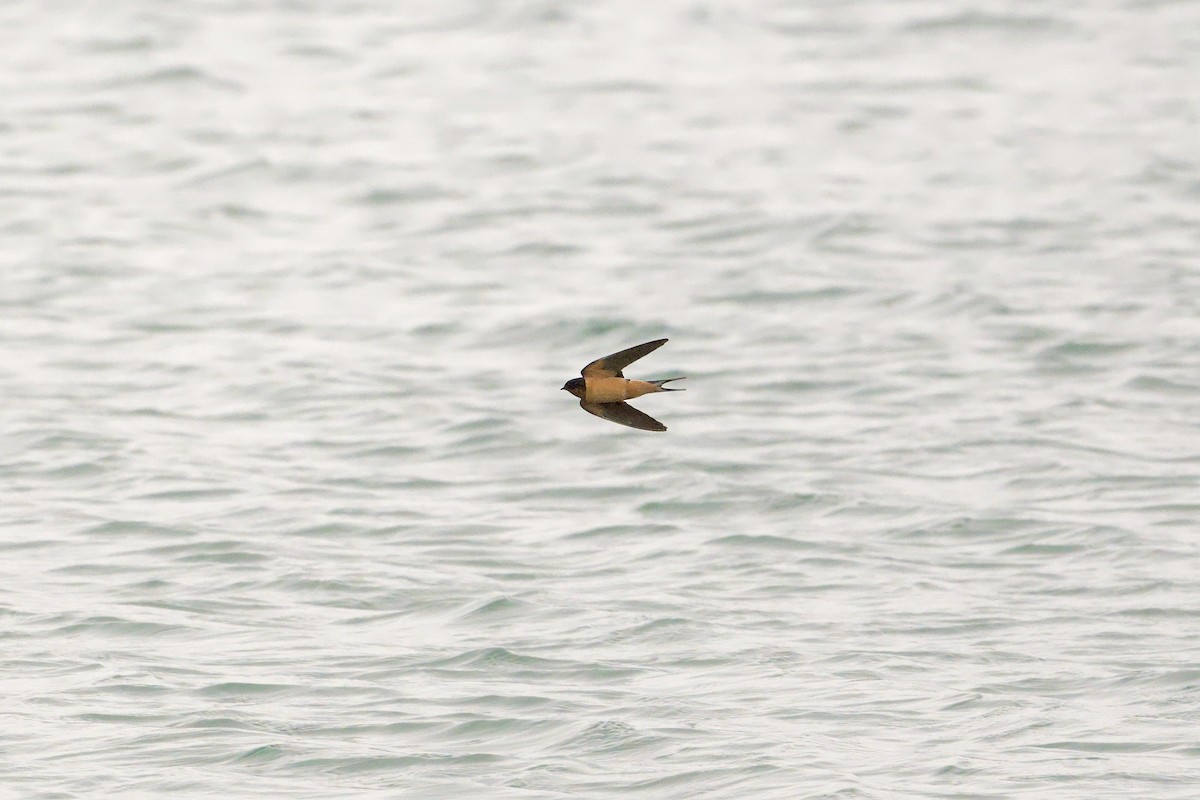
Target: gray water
{"points": [[293, 507]]}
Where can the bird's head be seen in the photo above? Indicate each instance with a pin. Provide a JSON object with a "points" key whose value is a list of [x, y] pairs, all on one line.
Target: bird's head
{"points": [[575, 386]]}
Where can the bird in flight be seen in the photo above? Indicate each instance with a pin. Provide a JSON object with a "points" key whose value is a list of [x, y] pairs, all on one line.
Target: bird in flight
{"points": [[603, 389]]}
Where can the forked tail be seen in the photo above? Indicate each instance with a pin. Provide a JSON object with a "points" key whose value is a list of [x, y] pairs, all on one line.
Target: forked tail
{"points": [[659, 384]]}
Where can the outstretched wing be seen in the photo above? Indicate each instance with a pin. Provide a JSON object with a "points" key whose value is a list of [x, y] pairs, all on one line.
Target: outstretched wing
{"points": [[623, 414], [611, 366]]}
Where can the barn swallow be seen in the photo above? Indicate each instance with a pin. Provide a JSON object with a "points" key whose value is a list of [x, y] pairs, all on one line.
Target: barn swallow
{"points": [[603, 389]]}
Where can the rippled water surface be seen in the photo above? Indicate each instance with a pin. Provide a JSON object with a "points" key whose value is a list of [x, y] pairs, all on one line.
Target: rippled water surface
{"points": [[293, 507]]}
